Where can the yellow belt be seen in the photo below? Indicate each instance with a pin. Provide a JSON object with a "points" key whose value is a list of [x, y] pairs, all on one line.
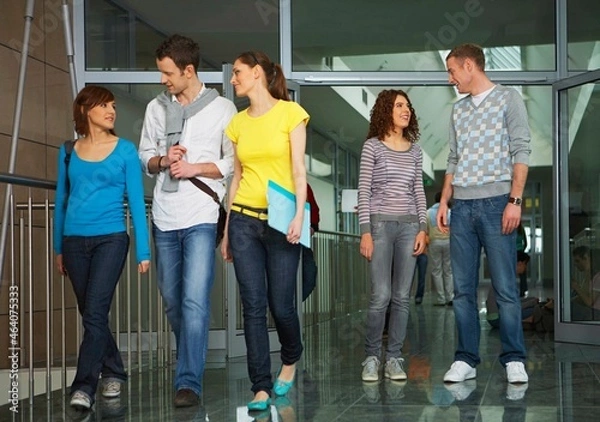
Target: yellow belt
{"points": [[262, 215]]}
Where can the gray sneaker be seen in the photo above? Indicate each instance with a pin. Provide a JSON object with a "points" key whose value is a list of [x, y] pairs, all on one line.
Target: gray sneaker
{"points": [[370, 370], [111, 389], [394, 369]]}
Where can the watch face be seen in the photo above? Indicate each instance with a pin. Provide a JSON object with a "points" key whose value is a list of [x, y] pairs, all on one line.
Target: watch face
{"points": [[516, 201]]}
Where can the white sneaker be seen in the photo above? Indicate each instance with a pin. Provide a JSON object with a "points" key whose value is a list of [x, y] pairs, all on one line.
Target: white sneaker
{"points": [[111, 389], [393, 369], [461, 390], [516, 391], [515, 372], [370, 370], [459, 372], [80, 400], [371, 391]]}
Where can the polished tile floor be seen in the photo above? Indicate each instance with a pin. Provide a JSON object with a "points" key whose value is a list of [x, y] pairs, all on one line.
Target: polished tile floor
{"points": [[564, 383]]}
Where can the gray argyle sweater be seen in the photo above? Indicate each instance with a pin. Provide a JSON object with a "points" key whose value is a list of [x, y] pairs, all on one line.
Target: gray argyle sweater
{"points": [[485, 142]]}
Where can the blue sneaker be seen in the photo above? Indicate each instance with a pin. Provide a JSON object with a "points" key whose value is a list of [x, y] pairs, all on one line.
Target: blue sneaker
{"points": [[259, 405], [281, 388]]}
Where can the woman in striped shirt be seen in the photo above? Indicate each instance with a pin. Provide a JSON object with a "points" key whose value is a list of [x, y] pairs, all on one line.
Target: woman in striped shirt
{"points": [[392, 217]]}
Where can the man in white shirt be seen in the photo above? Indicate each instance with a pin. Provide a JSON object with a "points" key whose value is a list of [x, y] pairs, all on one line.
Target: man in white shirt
{"points": [[182, 138]]}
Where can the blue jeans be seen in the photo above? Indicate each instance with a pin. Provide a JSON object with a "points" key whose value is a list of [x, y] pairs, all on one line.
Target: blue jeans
{"points": [[94, 265], [393, 245], [266, 266], [185, 263], [421, 270], [477, 223]]}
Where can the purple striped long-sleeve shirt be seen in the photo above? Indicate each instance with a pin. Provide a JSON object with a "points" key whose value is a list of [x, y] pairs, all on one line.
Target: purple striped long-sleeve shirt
{"points": [[390, 184]]}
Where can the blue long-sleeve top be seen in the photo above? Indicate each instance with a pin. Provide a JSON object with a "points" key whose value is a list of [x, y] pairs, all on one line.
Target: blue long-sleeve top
{"points": [[97, 191]]}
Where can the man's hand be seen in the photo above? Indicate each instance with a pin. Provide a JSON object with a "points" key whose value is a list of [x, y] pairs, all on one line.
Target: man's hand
{"points": [[183, 170], [511, 218], [442, 218]]}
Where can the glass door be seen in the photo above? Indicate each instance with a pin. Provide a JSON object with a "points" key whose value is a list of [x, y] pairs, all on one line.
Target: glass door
{"points": [[577, 208]]}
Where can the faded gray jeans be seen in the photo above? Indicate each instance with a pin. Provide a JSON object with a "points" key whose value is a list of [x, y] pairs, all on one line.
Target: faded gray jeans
{"points": [[392, 267]]}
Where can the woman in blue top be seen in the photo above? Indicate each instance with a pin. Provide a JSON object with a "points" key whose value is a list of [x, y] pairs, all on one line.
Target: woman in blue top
{"points": [[91, 241]]}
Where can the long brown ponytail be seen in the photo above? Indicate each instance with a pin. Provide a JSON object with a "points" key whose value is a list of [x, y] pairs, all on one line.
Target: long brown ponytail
{"points": [[274, 73]]}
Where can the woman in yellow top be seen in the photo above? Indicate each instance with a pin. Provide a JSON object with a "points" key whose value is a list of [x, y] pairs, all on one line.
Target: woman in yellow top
{"points": [[269, 140]]}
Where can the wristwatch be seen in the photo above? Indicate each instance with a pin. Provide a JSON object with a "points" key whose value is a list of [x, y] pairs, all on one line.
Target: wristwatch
{"points": [[515, 200]]}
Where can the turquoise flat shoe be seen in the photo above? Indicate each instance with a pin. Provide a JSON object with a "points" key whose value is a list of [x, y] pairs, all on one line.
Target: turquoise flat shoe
{"points": [[259, 405], [281, 388]]}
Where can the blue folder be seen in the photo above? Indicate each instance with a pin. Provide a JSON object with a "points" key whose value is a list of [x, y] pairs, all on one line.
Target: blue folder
{"points": [[282, 209]]}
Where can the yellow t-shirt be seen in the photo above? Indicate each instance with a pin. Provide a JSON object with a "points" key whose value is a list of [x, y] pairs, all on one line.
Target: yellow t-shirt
{"points": [[264, 150]]}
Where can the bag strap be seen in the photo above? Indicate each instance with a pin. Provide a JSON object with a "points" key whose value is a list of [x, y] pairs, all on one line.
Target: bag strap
{"points": [[69, 145], [206, 189]]}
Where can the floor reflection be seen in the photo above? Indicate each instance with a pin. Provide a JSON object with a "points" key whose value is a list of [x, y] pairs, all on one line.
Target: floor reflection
{"points": [[564, 383]]}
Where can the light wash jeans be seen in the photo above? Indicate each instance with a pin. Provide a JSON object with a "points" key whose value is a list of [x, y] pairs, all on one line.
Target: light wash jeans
{"points": [[441, 270], [477, 223], [185, 262], [392, 267]]}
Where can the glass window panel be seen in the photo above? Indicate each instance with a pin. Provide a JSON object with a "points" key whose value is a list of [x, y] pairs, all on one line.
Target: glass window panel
{"points": [[124, 37], [583, 34], [584, 204], [338, 35]]}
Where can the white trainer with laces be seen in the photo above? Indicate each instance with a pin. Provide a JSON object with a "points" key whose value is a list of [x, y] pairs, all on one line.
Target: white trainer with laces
{"points": [[516, 373], [111, 389], [370, 370], [80, 400], [394, 369], [460, 371]]}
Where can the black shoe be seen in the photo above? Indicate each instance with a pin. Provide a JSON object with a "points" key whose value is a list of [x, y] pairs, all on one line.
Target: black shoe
{"points": [[185, 398]]}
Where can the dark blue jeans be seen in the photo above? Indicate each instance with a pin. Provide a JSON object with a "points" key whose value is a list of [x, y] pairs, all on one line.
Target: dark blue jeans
{"points": [[266, 266], [94, 265], [421, 269]]}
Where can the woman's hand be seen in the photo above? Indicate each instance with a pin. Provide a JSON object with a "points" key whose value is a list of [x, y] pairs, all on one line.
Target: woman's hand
{"points": [[420, 243], [225, 251], [60, 266], [143, 266], [366, 246], [295, 230]]}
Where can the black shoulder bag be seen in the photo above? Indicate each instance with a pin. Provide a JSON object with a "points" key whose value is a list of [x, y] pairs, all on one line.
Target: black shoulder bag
{"points": [[222, 213]]}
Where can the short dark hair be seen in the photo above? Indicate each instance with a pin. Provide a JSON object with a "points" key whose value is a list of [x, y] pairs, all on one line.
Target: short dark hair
{"points": [[182, 50], [523, 257], [88, 98], [581, 251], [468, 51]]}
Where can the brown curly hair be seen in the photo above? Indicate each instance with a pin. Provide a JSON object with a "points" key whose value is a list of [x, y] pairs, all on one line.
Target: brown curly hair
{"points": [[382, 122]]}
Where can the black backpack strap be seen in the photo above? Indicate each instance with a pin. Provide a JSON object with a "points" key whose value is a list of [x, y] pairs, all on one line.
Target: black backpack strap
{"points": [[69, 145]]}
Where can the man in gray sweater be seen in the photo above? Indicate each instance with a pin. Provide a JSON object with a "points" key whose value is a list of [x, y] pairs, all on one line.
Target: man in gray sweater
{"points": [[486, 174]]}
